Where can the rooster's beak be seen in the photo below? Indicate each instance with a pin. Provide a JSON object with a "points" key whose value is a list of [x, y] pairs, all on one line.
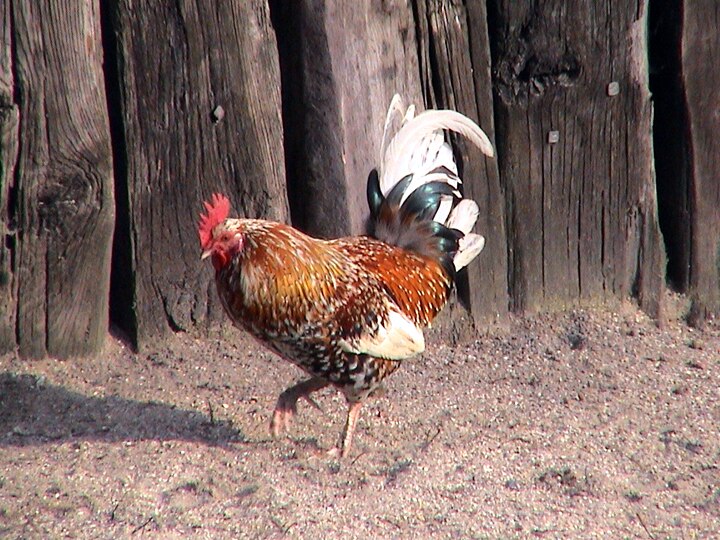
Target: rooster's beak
{"points": [[205, 254]]}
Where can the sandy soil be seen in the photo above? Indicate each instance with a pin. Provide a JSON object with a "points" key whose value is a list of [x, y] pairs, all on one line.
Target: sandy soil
{"points": [[590, 424]]}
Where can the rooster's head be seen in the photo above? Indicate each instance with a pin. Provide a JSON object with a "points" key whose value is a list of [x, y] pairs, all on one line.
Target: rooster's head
{"points": [[216, 239]]}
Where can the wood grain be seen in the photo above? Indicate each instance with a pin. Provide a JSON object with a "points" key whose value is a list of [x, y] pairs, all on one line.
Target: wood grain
{"points": [[216, 96], [582, 211], [177, 63], [701, 81], [348, 60], [9, 118], [61, 181], [455, 70]]}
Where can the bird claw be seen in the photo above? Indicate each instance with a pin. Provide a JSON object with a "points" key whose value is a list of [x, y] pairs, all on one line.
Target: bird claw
{"points": [[281, 418], [286, 406], [284, 413]]}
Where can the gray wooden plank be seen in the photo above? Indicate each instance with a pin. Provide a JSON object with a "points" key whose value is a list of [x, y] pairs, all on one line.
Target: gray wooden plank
{"points": [[177, 63], [701, 82], [455, 69], [582, 210], [63, 179], [9, 118]]}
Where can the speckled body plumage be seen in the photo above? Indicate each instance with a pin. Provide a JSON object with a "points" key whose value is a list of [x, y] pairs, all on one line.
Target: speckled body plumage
{"points": [[349, 311], [301, 296]]}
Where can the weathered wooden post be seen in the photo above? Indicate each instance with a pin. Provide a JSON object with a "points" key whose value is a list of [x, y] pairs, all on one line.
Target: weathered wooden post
{"points": [[573, 133], [199, 100], [455, 70], [56, 195], [701, 84], [342, 64]]}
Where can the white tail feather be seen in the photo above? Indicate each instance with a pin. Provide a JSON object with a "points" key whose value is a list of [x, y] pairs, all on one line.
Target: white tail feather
{"points": [[419, 148], [409, 114], [444, 209], [470, 246], [463, 216], [395, 110], [395, 160]]}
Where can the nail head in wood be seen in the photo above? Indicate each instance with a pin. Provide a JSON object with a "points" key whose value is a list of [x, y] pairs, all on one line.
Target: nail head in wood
{"points": [[218, 113], [613, 88], [553, 137]]}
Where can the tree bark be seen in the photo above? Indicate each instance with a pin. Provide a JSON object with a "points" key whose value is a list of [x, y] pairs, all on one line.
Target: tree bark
{"points": [[200, 100], [57, 187], [573, 118]]}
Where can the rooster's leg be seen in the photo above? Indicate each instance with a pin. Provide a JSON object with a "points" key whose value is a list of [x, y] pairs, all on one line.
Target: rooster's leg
{"points": [[287, 403], [352, 418]]}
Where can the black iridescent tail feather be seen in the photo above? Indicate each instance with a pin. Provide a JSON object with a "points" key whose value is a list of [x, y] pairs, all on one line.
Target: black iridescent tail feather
{"points": [[409, 224], [414, 195]]}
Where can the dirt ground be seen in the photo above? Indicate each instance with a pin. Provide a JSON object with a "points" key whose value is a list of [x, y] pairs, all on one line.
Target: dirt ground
{"points": [[589, 424]]}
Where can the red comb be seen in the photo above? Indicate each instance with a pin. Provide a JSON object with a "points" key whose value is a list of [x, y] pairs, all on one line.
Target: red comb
{"points": [[217, 211]]}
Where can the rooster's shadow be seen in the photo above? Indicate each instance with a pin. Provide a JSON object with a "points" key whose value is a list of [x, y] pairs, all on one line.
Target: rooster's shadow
{"points": [[34, 412]]}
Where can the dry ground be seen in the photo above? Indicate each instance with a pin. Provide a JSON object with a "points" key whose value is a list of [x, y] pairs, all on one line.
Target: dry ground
{"points": [[592, 424]]}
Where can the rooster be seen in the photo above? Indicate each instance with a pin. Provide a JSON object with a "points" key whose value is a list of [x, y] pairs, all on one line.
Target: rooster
{"points": [[349, 311]]}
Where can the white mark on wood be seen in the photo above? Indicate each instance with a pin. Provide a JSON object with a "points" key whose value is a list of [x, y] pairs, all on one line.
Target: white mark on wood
{"points": [[613, 88]]}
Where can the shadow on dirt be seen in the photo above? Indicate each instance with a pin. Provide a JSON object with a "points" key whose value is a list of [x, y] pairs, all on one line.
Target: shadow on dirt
{"points": [[33, 412]]}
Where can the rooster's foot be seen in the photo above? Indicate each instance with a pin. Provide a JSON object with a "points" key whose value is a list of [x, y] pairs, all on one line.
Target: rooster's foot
{"points": [[286, 406]]}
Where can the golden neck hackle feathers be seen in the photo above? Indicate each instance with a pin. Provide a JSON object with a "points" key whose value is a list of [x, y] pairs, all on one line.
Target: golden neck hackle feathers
{"points": [[282, 274]]}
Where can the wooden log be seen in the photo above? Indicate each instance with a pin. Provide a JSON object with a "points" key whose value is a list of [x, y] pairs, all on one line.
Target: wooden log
{"points": [[573, 122], [455, 71], [701, 82], [348, 60], [9, 116], [58, 182], [200, 112]]}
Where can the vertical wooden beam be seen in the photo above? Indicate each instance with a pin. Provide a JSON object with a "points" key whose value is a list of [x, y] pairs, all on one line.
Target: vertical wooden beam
{"points": [[455, 71], [62, 179], [701, 81], [9, 118], [200, 100], [573, 117], [352, 58]]}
